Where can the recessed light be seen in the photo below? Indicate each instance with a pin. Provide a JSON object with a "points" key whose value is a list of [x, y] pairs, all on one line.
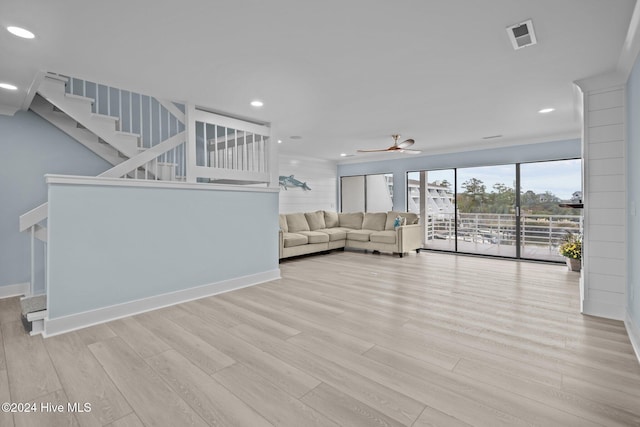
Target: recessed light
{"points": [[546, 110], [257, 103], [21, 32], [343, 154], [279, 141], [7, 86]]}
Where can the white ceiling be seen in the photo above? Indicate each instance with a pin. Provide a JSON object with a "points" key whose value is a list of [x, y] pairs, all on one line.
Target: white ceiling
{"points": [[343, 74]]}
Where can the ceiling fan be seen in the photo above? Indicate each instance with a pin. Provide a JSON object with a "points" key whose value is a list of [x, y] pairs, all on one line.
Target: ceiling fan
{"points": [[401, 147]]}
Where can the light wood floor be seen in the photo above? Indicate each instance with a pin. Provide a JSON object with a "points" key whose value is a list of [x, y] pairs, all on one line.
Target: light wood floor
{"points": [[347, 339]]}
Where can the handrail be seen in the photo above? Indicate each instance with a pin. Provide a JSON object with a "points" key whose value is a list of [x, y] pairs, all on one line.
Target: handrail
{"points": [[34, 216], [144, 157]]}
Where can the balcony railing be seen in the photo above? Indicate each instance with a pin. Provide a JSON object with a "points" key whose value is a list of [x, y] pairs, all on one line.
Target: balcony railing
{"points": [[540, 235]]}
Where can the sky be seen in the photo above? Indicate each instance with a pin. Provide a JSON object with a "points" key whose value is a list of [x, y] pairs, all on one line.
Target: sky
{"points": [[562, 178]]}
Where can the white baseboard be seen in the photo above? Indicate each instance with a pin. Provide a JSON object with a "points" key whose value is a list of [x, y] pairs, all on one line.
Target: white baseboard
{"points": [[73, 322], [634, 334], [603, 309], [14, 290]]}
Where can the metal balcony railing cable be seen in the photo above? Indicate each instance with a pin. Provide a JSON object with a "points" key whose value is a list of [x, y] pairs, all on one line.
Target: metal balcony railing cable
{"points": [[537, 232]]}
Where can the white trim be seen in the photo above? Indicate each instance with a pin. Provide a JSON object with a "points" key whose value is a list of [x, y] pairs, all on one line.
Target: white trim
{"points": [[15, 290], [73, 322], [176, 185], [634, 334], [603, 309]]}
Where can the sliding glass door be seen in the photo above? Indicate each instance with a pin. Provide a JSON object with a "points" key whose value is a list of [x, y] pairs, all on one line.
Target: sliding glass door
{"points": [[511, 211], [487, 210], [437, 207], [544, 187]]}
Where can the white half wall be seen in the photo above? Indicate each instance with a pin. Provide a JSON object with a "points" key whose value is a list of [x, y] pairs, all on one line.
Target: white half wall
{"points": [[320, 176], [112, 246]]}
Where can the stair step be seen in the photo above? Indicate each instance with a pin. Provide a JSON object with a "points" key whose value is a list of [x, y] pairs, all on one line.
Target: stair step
{"points": [[84, 99], [72, 128], [33, 304], [34, 322], [58, 77], [135, 135], [105, 117], [102, 125]]}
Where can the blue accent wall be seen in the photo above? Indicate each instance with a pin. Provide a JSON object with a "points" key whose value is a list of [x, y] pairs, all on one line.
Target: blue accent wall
{"points": [[30, 147], [633, 194], [112, 245], [552, 150]]}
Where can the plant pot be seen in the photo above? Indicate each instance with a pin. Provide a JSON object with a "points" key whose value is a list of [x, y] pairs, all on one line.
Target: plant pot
{"points": [[573, 264]]}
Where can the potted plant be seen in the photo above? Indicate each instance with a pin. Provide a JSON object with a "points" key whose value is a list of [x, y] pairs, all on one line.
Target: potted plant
{"points": [[571, 249]]}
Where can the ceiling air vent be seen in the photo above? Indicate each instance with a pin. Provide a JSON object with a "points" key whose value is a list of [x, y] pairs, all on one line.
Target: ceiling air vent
{"points": [[522, 35]]}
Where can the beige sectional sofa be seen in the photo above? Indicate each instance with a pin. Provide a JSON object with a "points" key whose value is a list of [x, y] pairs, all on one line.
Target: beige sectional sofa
{"points": [[305, 233]]}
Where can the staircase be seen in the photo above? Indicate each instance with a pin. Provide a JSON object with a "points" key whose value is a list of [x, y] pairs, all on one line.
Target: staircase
{"points": [[102, 134]]}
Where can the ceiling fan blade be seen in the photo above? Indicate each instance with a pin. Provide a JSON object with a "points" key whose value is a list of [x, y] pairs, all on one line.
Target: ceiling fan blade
{"points": [[406, 143], [372, 151], [410, 151]]}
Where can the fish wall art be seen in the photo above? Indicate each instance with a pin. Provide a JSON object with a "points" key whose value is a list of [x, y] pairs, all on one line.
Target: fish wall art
{"points": [[290, 182]]}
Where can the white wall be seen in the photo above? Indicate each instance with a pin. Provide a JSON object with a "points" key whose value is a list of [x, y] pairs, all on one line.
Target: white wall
{"points": [[320, 176], [633, 198]]}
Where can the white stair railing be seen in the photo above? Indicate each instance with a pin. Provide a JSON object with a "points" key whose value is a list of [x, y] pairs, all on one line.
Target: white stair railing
{"points": [[230, 150], [153, 119], [149, 164]]}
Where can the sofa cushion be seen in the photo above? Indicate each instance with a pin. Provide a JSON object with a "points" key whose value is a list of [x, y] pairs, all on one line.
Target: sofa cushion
{"points": [[331, 219], [315, 220], [335, 233], [283, 223], [359, 235], [351, 220], [297, 222], [374, 221], [294, 239], [316, 236], [387, 236], [391, 217]]}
